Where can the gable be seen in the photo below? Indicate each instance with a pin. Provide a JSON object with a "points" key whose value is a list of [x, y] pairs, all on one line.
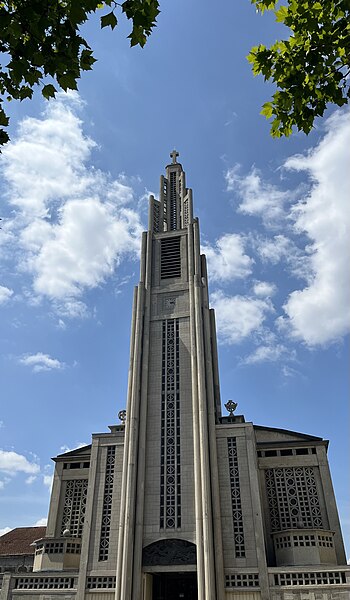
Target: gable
{"points": [[78, 452], [272, 435]]}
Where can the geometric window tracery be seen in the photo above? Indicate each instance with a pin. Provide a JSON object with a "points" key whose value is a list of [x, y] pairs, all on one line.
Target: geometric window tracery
{"points": [[293, 499], [107, 504], [173, 201], [74, 507], [170, 469], [238, 531]]}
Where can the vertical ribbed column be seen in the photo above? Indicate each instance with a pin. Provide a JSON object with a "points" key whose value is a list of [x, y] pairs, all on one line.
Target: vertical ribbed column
{"points": [[125, 570], [203, 429], [140, 491], [125, 456], [195, 417], [214, 474]]}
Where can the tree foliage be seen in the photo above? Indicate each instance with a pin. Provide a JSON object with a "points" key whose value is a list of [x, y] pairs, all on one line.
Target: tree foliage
{"points": [[311, 68], [41, 43]]}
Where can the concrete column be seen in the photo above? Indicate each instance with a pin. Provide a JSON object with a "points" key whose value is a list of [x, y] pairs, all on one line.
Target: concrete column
{"points": [[196, 449], [53, 528], [133, 417], [330, 504], [125, 455], [86, 539], [203, 428], [140, 490], [5, 591], [214, 350], [147, 586], [143, 256], [258, 527], [215, 494]]}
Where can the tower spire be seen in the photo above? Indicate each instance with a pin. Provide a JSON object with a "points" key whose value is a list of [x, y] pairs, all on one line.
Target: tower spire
{"points": [[173, 210]]}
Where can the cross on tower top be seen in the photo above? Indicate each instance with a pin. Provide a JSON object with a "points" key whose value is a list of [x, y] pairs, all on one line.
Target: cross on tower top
{"points": [[174, 154]]}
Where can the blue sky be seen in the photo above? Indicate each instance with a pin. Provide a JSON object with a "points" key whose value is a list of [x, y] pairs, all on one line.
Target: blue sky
{"points": [[274, 221]]}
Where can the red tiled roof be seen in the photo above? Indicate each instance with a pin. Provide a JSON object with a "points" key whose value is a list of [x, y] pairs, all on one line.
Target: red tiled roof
{"points": [[18, 540]]}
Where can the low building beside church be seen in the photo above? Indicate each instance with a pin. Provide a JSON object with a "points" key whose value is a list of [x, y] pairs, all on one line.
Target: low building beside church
{"points": [[179, 501]]}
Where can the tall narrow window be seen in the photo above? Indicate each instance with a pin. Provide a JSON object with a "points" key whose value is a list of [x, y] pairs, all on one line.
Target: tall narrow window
{"points": [[107, 504], [238, 531], [170, 475], [173, 201], [74, 507]]}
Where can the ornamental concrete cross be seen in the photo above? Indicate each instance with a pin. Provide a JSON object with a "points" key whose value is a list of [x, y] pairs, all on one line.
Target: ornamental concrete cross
{"points": [[174, 154]]}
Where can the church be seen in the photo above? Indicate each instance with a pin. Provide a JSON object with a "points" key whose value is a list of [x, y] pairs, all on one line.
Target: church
{"points": [[179, 501]]}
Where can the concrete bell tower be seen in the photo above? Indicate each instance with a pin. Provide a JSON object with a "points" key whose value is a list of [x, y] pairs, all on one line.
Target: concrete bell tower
{"points": [[169, 498]]}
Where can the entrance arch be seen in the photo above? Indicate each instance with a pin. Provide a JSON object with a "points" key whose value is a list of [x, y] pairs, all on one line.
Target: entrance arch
{"points": [[169, 552]]}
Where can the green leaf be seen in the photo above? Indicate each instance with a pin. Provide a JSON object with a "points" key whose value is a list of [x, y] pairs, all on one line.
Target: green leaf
{"points": [[4, 138], [48, 91], [281, 14], [267, 110], [4, 119], [109, 20], [67, 81]]}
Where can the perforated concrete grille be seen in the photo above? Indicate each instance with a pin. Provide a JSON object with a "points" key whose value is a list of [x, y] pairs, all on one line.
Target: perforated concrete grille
{"points": [[73, 548], [289, 541], [44, 583], [173, 201], [156, 216], [100, 583], [170, 258], [107, 504], [170, 476], [238, 531], [293, 499], [242, 580], [322, 578], [186, 212], [54, 547], [74, 506]]}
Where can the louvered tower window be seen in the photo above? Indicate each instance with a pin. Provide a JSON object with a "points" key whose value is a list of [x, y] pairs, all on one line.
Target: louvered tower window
{"points": [[170, 258]]}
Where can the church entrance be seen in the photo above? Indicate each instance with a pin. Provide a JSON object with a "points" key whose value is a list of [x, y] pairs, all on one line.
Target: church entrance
{"points": [[174, 586]]}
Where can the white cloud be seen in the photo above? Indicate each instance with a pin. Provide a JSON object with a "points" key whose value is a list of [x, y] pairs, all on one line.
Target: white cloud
{"points": [[48, 481], [12, 463], [264, 289], [5, 530], [73, 222], [226, 259], [5, 294], [40, 522], [274, 249], [280, 248], [66, 448], [320, 313], [258, 197], [267, 354], [31, 479], [238, 316], [41, 362]]}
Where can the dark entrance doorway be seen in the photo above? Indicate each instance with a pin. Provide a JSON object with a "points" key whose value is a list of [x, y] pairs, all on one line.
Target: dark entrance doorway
{"points": [[175, 586]]}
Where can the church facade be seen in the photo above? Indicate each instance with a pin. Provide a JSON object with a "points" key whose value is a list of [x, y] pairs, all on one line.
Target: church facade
{"points": [[179, 501]]}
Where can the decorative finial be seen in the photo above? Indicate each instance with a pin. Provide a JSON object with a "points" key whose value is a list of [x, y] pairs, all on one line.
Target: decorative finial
{"points": [[231, 407], [174, 154], [122, 416]]}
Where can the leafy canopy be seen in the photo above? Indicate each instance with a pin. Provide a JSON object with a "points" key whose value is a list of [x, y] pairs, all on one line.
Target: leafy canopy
{"points": [[311, 68], [41, 43]]}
